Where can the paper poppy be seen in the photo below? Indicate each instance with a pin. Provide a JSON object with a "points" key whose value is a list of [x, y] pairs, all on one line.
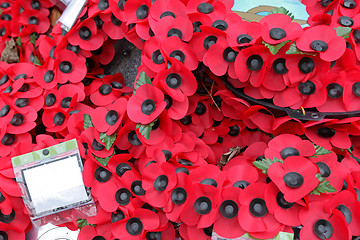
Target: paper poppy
{"points": [[90, 232], [319, 224], [129, 140], [285, 212], [177, 81], [168, 26], [33, 17], [286, 145], [202, 206], [158, 181], [92, 138], [243, 33], [86, 35], [135, 227], [68, 67], [113, 27], [146, 104], [163, 8], [322, 39], [295, 178], [255, 217], [226, 224], [214, 9]]}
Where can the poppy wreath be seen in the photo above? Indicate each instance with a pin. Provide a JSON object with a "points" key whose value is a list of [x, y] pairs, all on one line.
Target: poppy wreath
{"points": [[178, 154]]}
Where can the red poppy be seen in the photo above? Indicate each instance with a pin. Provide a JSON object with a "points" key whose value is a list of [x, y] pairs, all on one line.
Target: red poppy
{"points": [[202, 206], [68, 67], [86, 35], [295, 178], [214, 9], [286, 145], [135, 227], [239, 173], [146, 104], [177, 81], [127, 139], [152, 55], [322, 39], [173, 47], [319, 224], [226, 224], [192, 232], [55, 120], [90, 232], [168, 26], [277, 28], [163, 8], [255, 217], [250, 64], [34, 17], [17, 220], [285, 212], [22, 123], [92, 138], [243, 33], [113, 27]]}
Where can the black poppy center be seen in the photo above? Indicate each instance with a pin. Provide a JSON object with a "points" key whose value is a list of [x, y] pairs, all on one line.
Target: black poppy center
{"points": [[346, 21], [65, 66], [241, 184], [65, 103], [122, 196], [325, 132], [229, 54], [133, 138], [289, 151], [208, 41], [243, 38], [282, 202], [254, 62], [50, 99], [33, 20], [168, 101], [112, 117], [121, 168], [200, 108], [179, 55], [5, 5], [157, 58], [103, 4], [161, 183], [21, 102], [178, 196], [209, 181], [8, 139], [346, 212], [186, 120], [258, 207], [205, 8], [115, 217], [136, 188], [121, 4], [5, 110], [84, 33], [234, 131], [293, 179], [325, 171], [97, 146], [153, 235], [17, 119], [319, 45], [24, 88], [307, 88], [167, 13], [277, 33], [59, 119], [203, 205], [35, 4], [334, 90], [323, 229], [102, 174], [325, 3], [105, 89], [356, 89], [134, 226], [350, 4], [49, 76], [229, 209], [4, 235], [4, 79], [148, 107], [2, 198], [173, 80], [174, 32], [279, 66], [220, 24], [142, 12]]}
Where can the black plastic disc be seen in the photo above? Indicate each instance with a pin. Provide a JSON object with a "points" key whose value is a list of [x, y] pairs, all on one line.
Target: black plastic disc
{"points": [[205, 8], [306, 65], [325, 171], [279, 66], [134, 226], [17, 119], [105, 89], [153, 235], [133, 138], [323, 229], [102, 175], [167, 13], [85, 33], [203, 205], [4, 79], [334, 90], [115, 217], [257, 207], [346, 21], [243, 38], [121, 168], [8, 139], [229, 55], [50, 99], [65, 102], [220, 24], [208, 41], [254, 62], [97, 146], [229, 209], [123, 196], [241, 184], [289, 151], [142, 12], [65, 67], [4, 235], [161, 183], [174, 32], [7, 218], [209, 181], [173, 80], [200, 109], [277, 33], [293, 179], [356, 89], [4, 111], [350, 4], [136, 188], [282, 202], [319, 45], [112, 117], [178, 196], [59, 119], [234, 131], [157, 58], [179, 55], [307, 88], [22, 102], [346, 212], [148, 106]]}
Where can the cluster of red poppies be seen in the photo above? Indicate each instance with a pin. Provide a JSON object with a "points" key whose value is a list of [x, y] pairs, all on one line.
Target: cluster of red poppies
{"points": [[160, 157]]}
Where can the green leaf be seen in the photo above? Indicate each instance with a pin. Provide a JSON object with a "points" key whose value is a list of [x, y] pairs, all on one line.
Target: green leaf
{"points": [[37, 61], [108, 140], [320, 151], [143, 79], [145, 129], [316, 192], [32, 38], [294, 50], [104, 161], [265, 164], [83, 222], [325, 187], [283, 10], [87, 121], [343, 32], [349, 151], [274, 49], [18, 42]]}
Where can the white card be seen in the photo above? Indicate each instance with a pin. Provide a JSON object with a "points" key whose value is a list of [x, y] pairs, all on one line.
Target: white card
{"points": [[55, 184]]}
